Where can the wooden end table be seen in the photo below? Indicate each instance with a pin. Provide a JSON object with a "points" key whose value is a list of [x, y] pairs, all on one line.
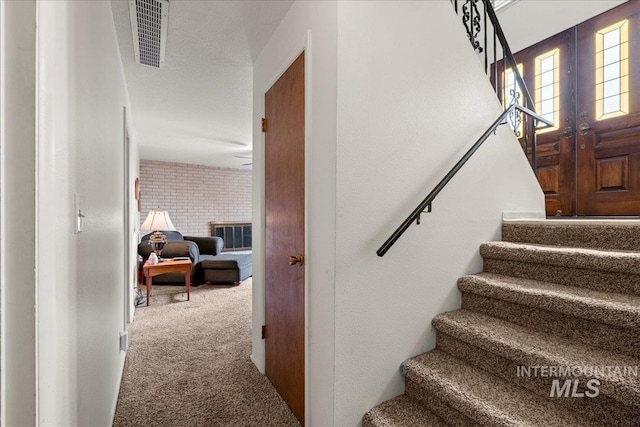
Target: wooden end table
{"points": [[167, 266]]}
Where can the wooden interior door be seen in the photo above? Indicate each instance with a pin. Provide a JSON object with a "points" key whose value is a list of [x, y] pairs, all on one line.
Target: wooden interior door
{"points": [[284, 208], [608, 135]]}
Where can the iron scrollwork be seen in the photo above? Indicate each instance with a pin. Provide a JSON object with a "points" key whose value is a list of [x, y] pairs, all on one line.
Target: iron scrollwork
{"points": [[471, 20], [515, 116]]}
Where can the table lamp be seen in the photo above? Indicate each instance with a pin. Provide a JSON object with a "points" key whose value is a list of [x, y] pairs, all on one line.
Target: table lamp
{"points": [[157, 221]]}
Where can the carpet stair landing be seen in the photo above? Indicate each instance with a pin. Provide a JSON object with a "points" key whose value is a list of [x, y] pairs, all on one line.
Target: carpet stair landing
{"points": [[551, 296]]}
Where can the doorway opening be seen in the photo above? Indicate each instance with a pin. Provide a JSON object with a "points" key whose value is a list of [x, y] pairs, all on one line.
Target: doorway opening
{"points": [[586, 80]]}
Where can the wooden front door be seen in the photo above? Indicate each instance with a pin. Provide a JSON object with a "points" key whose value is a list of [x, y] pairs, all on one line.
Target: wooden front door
{"points": [[284, 208], [608, 113], [548, 69], [586, 80]]}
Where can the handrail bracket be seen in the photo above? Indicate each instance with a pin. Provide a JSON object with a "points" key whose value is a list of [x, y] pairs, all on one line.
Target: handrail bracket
{"points": [[418, 215]]}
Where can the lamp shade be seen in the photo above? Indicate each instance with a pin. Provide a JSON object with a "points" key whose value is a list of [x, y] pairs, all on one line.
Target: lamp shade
{"points": [[157, 220]]}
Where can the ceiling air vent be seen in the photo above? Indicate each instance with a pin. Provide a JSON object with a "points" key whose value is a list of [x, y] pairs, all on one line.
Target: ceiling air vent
{"points": [[149, 20]]}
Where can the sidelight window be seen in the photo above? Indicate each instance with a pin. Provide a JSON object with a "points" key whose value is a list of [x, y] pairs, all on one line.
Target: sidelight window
{"points": [[612, 70], [547, 87]]}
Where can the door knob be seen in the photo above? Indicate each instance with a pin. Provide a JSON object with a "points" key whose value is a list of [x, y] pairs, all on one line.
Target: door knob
{"points": [[293, 260]]}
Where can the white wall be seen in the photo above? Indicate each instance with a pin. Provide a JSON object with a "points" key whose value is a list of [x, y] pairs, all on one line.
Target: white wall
{"points": [[412, 98], [309, 26], [529, 21], [134, 220], [17, 211], [81, 294]]}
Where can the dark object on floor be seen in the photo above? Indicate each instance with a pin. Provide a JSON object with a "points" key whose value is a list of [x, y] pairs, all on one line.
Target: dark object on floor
{"points": [[141, 299], [226, 268], [210, 264]]}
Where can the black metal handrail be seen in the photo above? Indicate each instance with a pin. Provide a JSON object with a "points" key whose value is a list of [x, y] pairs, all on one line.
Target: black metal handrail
{"points": [[508, 55], [426, 203], [515, 113]]}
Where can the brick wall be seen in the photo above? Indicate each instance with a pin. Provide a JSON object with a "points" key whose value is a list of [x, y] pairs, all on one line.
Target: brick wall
{"points": [[195, 195]]}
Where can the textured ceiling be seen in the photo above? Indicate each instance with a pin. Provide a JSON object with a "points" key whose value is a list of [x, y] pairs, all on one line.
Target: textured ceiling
{"points": [[198, 107]]}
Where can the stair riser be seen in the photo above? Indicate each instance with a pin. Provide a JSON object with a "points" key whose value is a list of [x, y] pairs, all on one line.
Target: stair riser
{"points": [[528, 357], [611, 338], [583, 308], [431, 401], [590, 279], [603, 237], [603, 409]]}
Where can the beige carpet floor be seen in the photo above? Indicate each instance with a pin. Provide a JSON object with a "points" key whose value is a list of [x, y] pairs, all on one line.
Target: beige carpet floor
{"points": [[188, 363]]}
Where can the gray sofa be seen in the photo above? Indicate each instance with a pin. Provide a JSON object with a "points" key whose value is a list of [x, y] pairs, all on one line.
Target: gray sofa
{"points": [[210, 264]]}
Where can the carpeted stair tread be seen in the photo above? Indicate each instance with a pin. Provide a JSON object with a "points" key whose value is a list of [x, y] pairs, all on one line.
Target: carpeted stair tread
{"points": [[587, 259], [401, 411], [486, 399], [605, 307], [556, 308], [621, 236], [590, 332], [532, 348]]}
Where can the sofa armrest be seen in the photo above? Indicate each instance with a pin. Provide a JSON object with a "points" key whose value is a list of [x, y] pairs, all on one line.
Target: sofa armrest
{"points": [[208, 245], [172, 249]]}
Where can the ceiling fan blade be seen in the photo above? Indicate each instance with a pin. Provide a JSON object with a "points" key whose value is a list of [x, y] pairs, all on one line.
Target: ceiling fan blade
{"points": [[244, 157]]}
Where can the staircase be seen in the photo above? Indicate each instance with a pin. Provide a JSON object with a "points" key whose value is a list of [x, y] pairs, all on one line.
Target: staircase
{"points": [[556, 294]]}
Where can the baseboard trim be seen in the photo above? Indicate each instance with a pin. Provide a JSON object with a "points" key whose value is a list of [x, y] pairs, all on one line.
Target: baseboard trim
{"points": [[260, 366], [114, 405], [510, 216]]}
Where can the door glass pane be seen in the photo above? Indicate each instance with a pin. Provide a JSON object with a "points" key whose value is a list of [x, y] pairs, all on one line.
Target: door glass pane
{"points": [[612, 38], [546, 78], [612, 70], [612, 55], [612, 104], [547, 92], [547, 87], [546, 64], [611, 88]]}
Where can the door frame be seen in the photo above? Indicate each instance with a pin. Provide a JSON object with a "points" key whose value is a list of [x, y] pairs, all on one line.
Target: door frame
{"points": [[270, 285], [258, 297], [129, 260]]}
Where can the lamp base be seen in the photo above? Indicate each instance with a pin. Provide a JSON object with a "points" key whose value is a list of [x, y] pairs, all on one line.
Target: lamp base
{"points": [[157, 242]]}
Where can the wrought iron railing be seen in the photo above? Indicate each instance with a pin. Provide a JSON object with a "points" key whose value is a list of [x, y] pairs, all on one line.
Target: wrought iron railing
{"points": [[479, 22], [488, 40]]}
